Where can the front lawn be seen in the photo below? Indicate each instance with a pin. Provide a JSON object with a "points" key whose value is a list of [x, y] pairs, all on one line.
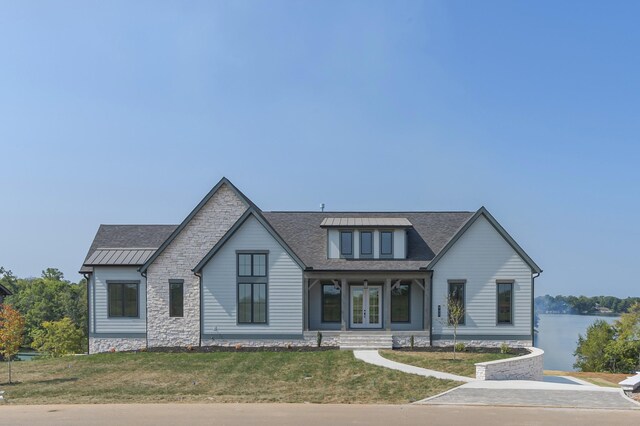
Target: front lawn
{"points": [[463, 365], [316, 377]]}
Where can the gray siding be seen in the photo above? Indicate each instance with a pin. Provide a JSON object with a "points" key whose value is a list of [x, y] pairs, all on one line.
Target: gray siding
{"points": [[481, 256], [104, 324], [284, 289]]}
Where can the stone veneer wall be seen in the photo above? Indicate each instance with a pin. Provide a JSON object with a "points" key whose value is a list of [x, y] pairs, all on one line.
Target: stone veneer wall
{"points": [[118, 344], [306, 341], [526, 367], [486, 343], [178, 259], [404, 341]]}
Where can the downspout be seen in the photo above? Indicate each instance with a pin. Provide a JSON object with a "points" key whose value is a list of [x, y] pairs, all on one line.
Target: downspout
{"points": [[86, 277], [431, 309], [199, 275], [146, 308], [533, 314]]}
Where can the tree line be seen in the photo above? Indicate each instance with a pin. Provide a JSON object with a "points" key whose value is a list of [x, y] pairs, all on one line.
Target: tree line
{"points": [[583, 305], [54, 310]]}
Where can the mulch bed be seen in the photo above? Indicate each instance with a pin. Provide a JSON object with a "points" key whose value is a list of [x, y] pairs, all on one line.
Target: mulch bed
{"points": [[207, 349]]}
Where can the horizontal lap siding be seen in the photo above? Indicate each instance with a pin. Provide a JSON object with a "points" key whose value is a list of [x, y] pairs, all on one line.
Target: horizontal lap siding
{"points": [[104, 324], [481, 256], [284, 289]]}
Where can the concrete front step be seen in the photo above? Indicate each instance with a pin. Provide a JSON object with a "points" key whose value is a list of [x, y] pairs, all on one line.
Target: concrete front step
{"points": [[366, 341]]}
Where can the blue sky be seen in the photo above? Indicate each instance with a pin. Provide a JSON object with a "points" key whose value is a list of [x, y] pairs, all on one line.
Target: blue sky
{"points": [[128, 112]]}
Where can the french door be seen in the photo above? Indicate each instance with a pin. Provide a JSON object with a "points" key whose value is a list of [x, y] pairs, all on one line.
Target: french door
{"points": [[366, 306]]}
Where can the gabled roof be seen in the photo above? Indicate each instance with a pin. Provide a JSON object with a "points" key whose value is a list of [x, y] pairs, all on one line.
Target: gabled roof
{"points": [[127, 237], [482, 211], [174, 234], [429, 233], [251, 212], [4, 291]]}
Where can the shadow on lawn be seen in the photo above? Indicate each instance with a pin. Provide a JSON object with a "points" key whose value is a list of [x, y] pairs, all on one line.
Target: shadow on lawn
{"points": [[55, 381]]}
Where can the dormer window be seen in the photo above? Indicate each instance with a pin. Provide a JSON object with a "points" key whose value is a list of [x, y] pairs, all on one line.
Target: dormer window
{"points": [[366, 244], [386, 244], [346, 243]]}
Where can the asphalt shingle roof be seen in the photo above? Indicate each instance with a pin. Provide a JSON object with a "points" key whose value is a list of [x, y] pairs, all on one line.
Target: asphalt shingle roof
{"points": [[429, 234]]}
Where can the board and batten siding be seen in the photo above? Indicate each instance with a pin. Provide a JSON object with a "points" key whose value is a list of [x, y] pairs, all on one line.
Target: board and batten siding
{"points": [[100, 321], [481, 257], [219, 287]]}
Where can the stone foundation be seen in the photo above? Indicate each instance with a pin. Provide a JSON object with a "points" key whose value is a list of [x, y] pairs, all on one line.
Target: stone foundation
{"points": [[117, 344], [402, 341], [526, 367], [306, 341]]}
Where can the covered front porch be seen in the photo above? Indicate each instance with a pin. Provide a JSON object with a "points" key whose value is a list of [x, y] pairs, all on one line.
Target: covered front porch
{"points": [[375, 306]]}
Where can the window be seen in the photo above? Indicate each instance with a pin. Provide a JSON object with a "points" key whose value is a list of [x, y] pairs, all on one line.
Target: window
{"points": [[252, 303], [346, 243], [386, 244], [176, 298], [123, 299], [456, 293], [252, 288], [331, 303], [366, 244], [400, 297], [505, 302], [252, 265]]}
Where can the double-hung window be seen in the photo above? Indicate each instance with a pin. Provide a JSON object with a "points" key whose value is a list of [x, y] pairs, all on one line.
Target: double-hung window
{"points": [[123, 299], [252, 288], [456, 301], [505, 303]]}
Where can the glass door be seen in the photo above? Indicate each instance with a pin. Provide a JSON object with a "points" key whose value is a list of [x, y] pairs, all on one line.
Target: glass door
{"points": [[366, 306]]}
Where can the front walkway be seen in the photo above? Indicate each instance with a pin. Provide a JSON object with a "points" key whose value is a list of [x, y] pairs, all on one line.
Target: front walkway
{"points": [[555, 391], [373, 357]]}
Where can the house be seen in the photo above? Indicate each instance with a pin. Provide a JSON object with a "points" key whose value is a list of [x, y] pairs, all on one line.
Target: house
{"points": [[231, 273], [4, 292]]}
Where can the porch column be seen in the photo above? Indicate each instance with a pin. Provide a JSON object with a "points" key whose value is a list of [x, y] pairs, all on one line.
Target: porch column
{"points": [[387, 304], [427, 304], [344, 292], [305, 305]]}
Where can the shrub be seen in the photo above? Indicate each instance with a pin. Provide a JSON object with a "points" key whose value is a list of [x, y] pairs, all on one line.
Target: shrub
{"points": [[412, 341], [459, 347], [57, 338], [505, 349], [319, 339]]}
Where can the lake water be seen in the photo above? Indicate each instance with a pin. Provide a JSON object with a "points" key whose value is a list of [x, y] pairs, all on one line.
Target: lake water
{"points": [[558, 337]]}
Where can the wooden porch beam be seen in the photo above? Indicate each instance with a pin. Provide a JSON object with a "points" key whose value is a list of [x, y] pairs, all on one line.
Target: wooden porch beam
{"points": [[344, 292], [387, 304], [419, 284], [314, 282]]}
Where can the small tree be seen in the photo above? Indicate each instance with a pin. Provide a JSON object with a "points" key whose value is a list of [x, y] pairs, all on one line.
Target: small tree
{"points": [[11, 333], [455, 316], [57, 338]]}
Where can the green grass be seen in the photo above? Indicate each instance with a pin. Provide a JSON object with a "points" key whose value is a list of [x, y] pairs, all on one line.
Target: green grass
{"points": [[463, 365], [316, 377]]}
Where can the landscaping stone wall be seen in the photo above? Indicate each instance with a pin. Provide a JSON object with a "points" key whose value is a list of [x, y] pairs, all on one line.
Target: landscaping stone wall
{"points": [[526, 367], [486, 343], [104, 344], [404, 341]]}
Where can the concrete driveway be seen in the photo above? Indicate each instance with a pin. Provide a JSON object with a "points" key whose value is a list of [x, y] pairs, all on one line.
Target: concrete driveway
{"points": [[307, 414]]}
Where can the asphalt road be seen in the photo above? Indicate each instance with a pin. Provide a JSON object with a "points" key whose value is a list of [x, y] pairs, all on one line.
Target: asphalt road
{"points": [[304, 414]]}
